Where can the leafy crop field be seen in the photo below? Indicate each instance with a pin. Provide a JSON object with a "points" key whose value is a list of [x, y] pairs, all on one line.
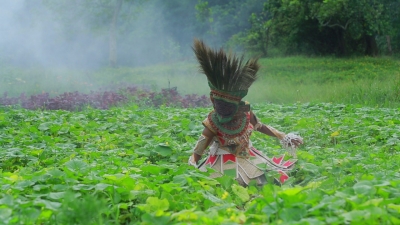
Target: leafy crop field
{"points": [[128, 165]]}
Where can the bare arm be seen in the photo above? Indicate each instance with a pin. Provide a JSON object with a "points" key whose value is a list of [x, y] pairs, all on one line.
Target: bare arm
{"points": [[268, 130], [202, 144]]}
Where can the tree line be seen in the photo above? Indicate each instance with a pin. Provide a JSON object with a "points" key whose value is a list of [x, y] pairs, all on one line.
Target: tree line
{"points": [[139, 32], [314, 27]]}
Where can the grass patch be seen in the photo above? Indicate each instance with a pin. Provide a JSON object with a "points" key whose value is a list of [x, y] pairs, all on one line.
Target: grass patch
{"points": [[366, 81]]}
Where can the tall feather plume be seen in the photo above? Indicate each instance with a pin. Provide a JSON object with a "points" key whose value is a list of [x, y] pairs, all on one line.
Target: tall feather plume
{"points": [[226, 72]]}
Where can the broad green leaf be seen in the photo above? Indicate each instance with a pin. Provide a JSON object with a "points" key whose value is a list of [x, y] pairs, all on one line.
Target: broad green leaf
{"points": [[76, 165], [56, 173], [24, 184], [45, 214], [113, 177], [128, 182], [63, 130], [313, 185], [7, 200], [5, 214], [221, 207], [150, 219], [36, 152], [101, 186], [60, 187], [292, 214], [154, 204], [373, 202], [225, 181], [85, 187], [152, 169], [270, 208], [47, 204], [124, 205], [211, 197], [56, 195], [394, 207], [185, 215], [13, 177], [364, 188], [311, 221], [355, 216], [45, 126], [31, 213], [305, 155], [241, 192], [169, 187], [135, 194], [291, 191], [180, 179], [310, 168], [163, 150]]}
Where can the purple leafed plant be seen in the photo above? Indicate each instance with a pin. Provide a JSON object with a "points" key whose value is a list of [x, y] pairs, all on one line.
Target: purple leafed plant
{"points": [[75, 101], [5, 100]]}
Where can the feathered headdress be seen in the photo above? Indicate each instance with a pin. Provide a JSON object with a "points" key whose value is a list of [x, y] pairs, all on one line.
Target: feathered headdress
{"points": [[227, 74]]}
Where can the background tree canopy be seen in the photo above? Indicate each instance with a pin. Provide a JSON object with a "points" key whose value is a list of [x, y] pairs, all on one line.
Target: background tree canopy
{"points": [[133, 33]]}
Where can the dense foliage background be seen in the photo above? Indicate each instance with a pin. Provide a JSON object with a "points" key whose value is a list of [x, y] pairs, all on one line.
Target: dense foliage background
{"points": [[131, 33]]}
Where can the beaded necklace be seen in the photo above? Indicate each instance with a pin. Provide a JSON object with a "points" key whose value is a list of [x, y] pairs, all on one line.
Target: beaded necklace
{"points": [[232, 129]]}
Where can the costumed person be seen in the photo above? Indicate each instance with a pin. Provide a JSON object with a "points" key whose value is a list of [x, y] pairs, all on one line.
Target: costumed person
{"points": [[227, 129]]}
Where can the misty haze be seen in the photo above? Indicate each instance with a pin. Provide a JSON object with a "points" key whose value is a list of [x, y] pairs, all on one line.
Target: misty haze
{"points": [[77, 33], [67, 45]]}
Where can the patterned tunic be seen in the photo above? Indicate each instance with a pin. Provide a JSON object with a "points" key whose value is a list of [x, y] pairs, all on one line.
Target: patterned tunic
{"points": [[236, 153]]}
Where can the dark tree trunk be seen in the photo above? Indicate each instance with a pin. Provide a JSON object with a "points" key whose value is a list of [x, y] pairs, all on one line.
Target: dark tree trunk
{"points": [[371, 47], [342, 51], [266, 45], [113, 34], [389, 45]]}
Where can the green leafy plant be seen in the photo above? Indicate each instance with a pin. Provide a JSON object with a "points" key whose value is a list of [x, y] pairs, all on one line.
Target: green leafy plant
{"points": [[128, 165]]}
